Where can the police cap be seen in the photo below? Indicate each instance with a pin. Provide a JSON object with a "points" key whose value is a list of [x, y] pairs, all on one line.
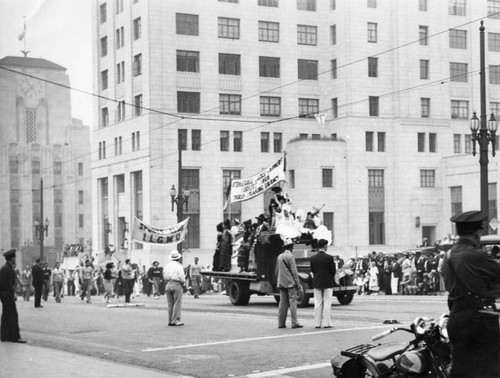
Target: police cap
{"points": [[10, 253], [474, 216]]}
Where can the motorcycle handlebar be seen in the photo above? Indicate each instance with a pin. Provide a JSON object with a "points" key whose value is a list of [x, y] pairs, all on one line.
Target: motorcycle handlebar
{"points": [[388, 332]]}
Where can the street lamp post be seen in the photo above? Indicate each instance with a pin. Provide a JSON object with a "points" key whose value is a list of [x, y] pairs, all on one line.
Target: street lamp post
{"points": [[483, 132], [41, 227]]}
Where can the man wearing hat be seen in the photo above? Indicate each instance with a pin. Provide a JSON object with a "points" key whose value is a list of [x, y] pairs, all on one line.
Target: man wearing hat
{"points": [[469, 275], [9, 328], [155, 276], [175, 278], [288, 283], [323, 270]]}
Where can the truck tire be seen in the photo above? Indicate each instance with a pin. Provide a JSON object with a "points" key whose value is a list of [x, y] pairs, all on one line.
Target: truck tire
{"points": [[239, 293], [303, 299], [345, 298]]}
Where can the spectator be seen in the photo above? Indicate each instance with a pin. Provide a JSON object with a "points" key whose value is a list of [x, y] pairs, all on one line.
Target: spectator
{"points": [[58, 276], [373, 283], [155, 277], [195, 275], [175, 278]]}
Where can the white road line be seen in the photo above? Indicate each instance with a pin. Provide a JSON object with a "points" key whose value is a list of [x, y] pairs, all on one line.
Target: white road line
{"points": [[280, 372], [258, 338]]}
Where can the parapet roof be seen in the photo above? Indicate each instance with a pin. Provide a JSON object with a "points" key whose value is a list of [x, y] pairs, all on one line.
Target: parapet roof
{"points": [[20, 61]]}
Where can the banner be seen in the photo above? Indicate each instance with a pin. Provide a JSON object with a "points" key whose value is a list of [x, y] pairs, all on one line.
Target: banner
{"points": [[146, 234], [245, 189]]}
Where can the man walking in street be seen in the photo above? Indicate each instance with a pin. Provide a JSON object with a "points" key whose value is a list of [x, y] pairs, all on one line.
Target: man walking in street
{"points": [[288, 283], [155, 277], [128, 276], [195, 274], [323, 270], [470, 275], [175, 278], [9, 328], [58, 281], [46, 281], [37, 274], [87, 276], [26, 283]]}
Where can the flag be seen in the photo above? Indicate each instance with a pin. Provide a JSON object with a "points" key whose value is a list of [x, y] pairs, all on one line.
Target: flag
{"points": [[320, 117], [23, 34], [227, 195]]}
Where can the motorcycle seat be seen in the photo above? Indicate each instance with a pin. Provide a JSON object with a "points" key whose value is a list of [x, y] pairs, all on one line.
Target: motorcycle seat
{"points": [[385, 351]]}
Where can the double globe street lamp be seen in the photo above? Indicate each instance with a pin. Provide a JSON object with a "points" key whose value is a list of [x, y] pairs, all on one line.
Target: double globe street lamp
{"points": [[41, 230]]}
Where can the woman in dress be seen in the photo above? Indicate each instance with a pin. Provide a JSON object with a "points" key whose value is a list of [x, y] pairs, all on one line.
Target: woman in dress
{"points": [[226, 246], [373, 283]]}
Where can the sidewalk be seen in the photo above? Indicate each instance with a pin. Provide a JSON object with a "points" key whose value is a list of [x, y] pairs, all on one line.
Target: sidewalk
{"points": [[25, 361]]}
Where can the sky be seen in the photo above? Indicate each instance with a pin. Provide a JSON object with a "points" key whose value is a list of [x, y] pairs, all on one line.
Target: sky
{"points": [[56, 30]]}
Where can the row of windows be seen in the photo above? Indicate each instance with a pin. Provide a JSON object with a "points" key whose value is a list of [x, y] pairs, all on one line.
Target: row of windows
{"points": [[135, 140]]}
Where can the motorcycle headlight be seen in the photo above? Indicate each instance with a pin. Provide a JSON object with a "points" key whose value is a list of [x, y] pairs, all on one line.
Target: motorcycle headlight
{"points": [[443, 325], [419, 326]]}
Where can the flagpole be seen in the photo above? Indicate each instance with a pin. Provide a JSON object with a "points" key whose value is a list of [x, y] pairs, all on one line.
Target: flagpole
{"points": [[24, 34]]}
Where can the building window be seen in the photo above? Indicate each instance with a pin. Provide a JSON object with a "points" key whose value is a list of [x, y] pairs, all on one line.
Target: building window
{"points": [[423, 34], [269, 3], [229, 64], [229, 1], [459, 109], [183, 139], [102, 150], [31, 129], [381, 141], [432, 142], [104, 117], [308, 107], [303, 136], [422, 5], [270, 106], [458, 39], [196, 140], [120, 38], [224, 140], [186, 24], [371, 3], [103, 13], [269, 31], [307, 35], [80, 197], [230, 104], [335, 108], [333, 34], [118, 146], [467, 143], [456, 7], [333, 6], [458, 72], [269, 66], [424, 69], [188, 61], [264, 142], [456, 200], [327, 177], [80, 169], [425, 107], [427, 178], [120, 72], [57, 167], [494, 9], [291, 178], [376, 207], [495, 108], [138, 105], [372, 32], [104, 46], [494, 73], [120, 111], [421, 142], [13, 165], [373, 106], [136, 141], [104, 80], [137, 28], [333, 68], [369, 141], [457, 143], [188, 102], [229, 28], [315, 136], [307, 5], [35, 166], [277, 142], [307, 69], [118, 6], [494, 40], [237, 141], [233, 210], [80, 220], [372, 67], [137, 65]]}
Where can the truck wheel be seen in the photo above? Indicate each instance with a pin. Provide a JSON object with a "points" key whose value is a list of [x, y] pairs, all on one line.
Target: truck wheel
{"points": [[345, 298], [239, 293], [303, 298]]}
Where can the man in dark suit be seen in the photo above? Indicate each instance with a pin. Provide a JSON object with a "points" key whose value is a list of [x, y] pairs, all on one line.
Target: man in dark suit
{"points": [[323, 270], [9, 329], [37, 274]]}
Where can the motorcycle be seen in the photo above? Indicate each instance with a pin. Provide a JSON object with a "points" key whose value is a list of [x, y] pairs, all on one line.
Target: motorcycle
{"points": [[427, 355]]}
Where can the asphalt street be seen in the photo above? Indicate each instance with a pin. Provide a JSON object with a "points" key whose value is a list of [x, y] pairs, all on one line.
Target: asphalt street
{"points": [[218, 339]]}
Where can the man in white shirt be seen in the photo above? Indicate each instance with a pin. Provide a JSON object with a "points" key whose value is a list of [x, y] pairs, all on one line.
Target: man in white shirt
{"points": [[174, 276], [58, 277]]}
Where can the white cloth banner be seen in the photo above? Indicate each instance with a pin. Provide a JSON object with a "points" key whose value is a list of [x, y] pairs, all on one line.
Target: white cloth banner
{"points": [[245, 189], [147, 234]]}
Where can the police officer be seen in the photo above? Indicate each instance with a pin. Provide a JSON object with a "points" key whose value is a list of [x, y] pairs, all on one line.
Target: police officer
{"points": [[9, 329], [469, 276]]}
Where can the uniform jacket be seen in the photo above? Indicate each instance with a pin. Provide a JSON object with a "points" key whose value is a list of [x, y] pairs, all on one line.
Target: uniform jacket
{"points": [[37, 273], [323, 269], [286, 270], [7, 281]]}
